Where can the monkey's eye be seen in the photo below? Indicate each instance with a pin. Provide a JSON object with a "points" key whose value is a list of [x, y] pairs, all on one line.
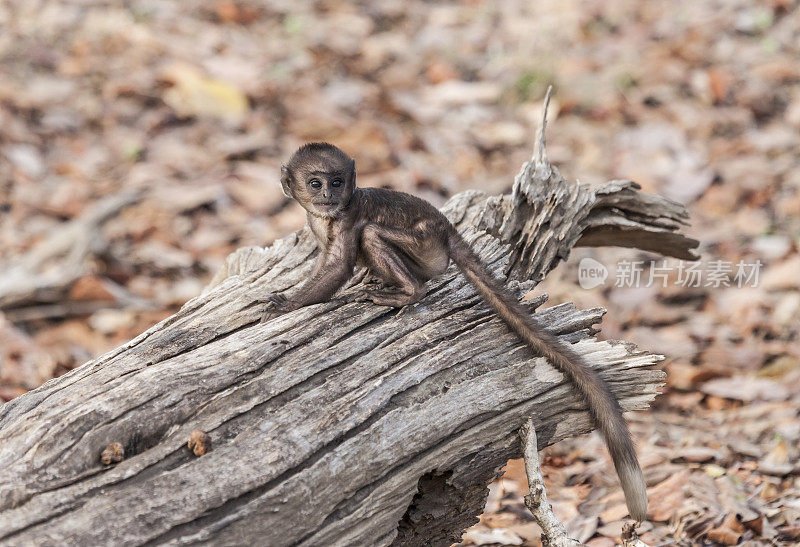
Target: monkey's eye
{"points": [[336, 183], [315, 183]]}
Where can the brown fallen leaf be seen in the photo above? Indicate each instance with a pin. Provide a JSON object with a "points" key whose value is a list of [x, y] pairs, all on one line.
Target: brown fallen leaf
{"points": [[789, 533], [719, 83], [717, 403], [612, 529], [438, 72], [498, 520], [696, 454], [684, 401], [530, 532], [783, 275], [756, 524], [581, 527], [778, 454], [667, 496], [23, 362], [731, 497], [727, 533], [746, 389], [234, 12], [779, 367], [614, 513], [7, 393], [685, 376], [92, 288], [745, 448], [775, 469]]}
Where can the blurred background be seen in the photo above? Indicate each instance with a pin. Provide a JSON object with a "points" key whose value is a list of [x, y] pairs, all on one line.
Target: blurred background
{"points": [[141, 140]]}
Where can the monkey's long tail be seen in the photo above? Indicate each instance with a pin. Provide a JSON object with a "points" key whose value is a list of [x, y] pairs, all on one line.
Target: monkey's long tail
{"points": [[603, 406]]}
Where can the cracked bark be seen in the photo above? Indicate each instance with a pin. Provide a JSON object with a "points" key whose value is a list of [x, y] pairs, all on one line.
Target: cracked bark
{"points": [[341, 423]]}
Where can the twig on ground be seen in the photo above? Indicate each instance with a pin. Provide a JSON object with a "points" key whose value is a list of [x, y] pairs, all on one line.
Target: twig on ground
{"points": [[45, 273], [553, 532]]}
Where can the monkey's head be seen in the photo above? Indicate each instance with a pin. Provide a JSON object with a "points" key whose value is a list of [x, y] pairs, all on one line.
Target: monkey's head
{"points": [[321, 178]]}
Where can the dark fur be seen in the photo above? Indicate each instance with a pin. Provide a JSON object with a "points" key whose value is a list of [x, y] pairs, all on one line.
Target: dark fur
{"points": [[404, 241]]}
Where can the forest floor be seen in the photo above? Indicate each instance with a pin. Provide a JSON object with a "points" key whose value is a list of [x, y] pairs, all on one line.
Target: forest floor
{"points": [[188, 108]]}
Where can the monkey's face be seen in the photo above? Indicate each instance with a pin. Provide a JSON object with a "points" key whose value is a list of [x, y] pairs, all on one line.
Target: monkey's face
{"points": [[323, 188]]}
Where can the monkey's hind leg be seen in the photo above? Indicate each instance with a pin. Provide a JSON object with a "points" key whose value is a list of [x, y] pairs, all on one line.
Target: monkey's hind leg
{"points": [[388, 263]]}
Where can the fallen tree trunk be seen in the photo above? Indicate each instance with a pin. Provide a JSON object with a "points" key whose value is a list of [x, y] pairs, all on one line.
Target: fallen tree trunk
{"points": [[341, 423]]}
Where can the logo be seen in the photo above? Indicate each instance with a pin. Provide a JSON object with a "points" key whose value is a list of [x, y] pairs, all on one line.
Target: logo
{"points": [[591, 273]]}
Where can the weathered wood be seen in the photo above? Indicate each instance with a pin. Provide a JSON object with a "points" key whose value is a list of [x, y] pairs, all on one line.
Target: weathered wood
{"points": [[342, 423]]}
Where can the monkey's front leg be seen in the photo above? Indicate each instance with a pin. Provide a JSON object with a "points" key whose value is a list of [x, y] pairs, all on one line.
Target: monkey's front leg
{"points": [[334, 268], [275, 305]]}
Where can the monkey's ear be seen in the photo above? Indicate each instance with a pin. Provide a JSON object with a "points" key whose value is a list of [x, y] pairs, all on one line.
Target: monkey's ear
{"points": [[352, 172], [286, 181]]}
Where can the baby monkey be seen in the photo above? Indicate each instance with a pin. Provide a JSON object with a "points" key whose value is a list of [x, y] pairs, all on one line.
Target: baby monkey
{"points": [[405, 241]]}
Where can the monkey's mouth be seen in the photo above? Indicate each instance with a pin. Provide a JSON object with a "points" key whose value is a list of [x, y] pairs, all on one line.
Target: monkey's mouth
{"points": [[327, 204]]}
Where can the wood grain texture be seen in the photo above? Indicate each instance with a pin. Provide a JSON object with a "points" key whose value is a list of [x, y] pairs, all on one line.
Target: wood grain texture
{"points": [[341, 423]]}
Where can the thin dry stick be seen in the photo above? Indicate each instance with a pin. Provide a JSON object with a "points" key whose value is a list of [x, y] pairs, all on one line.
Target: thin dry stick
{"points": [[68, 248], [553, 532]]}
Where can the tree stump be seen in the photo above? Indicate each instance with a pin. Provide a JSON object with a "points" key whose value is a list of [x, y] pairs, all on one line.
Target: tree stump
{"points": [[343, 423]]}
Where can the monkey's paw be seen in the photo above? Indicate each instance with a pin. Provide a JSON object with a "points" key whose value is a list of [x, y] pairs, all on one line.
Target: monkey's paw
{"points": [[364, 295], [275, 305]]}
